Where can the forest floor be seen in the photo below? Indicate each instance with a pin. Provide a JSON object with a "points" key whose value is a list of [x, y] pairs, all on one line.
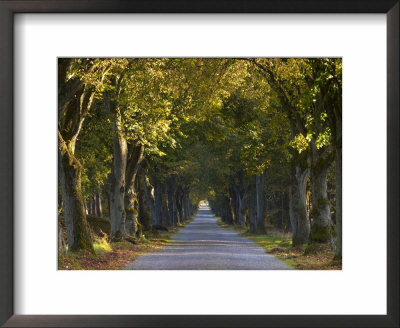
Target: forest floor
{"points": [[116, 255], [311, 257]]}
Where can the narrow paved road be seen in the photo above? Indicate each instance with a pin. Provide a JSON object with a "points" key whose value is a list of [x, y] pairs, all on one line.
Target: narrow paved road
{"points": [[203, 245]]}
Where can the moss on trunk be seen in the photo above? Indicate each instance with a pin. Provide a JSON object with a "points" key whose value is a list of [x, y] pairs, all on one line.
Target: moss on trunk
{"points": [[74, 212]]}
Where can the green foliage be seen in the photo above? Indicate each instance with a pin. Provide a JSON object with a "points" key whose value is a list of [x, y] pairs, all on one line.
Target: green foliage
{"points": [[94, 150], [101, 245], [208, 123]]}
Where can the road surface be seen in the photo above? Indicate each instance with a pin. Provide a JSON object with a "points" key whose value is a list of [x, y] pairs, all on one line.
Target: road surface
{"points": [[203, 245]]}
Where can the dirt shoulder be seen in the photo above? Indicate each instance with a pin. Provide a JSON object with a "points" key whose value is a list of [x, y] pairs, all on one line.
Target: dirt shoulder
{"points": [[115, 256], [311, 257]]}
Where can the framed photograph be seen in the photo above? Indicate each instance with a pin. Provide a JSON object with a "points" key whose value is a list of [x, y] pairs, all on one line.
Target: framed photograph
{"points": [[199, 168]]}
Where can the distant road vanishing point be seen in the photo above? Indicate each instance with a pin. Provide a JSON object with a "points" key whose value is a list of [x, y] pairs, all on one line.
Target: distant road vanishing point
{"points": [[203, 245]]}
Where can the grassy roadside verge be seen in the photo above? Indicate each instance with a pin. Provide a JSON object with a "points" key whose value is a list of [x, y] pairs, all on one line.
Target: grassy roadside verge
{"points": [[279, 244], [116, 255]]}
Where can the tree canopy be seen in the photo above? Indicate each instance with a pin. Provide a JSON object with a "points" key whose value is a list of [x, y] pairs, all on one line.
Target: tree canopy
{"points": [[143, 140]]}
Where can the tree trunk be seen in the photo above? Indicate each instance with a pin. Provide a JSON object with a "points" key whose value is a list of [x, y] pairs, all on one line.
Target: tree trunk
{"points": [[75, 99], [233, 202], [298, 207], [179, 204], [286, 217], [171, 201], [99, 212], [164, 206], [253, 209], [338, 173], [228, 211], [150, 199], [71, 116], [62, 249], [131, 225], [135, 157], [143, 217], [93, 204], [240, 194], [176, 214], [241, 209], [256, 205], [86, 207], [157, 219], [179, 209], [70, 169], [260, 208], [117, 194], [232, 207], [338, 167], [280, 223], [321, 209], [186, 206], [59, 201], [107, 197], [119, 165]]}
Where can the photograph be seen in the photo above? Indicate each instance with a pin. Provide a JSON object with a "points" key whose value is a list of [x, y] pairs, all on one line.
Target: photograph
{"points": [[199, 163], [199, 153]]}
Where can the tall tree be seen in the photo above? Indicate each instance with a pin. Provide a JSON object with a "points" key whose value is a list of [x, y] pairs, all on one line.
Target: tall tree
{"points": [[326, 80], [75, 100], [286, 80]]}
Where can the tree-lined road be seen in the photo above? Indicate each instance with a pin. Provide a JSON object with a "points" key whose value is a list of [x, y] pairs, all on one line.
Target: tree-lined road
{"points": [[254, 137], [203, 245]]}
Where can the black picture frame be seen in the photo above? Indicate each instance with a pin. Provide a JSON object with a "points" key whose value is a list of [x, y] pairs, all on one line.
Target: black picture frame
{"points": [[10, 7]]}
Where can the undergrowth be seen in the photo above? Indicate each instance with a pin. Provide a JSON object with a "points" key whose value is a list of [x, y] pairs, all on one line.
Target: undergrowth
{"points": [[114, 255]]}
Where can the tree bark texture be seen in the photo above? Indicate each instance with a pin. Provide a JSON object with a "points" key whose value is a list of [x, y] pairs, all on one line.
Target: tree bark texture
{"points": [[158, 198], [171, 189], [131, 223], [144, 215], [150, 199], [338, 173], [135, 157], [93, 204], [71, 116], [179, 204], [99, 211], [186, 211], [164, 206], [260, 205], [252, 206], [117, 194], [239, 194], [119, 165], [320, 204], [70, 169], [298, 208], [226, 210], [256, 209]]}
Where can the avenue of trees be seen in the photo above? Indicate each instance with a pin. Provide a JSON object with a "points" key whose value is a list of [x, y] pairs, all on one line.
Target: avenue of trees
{"points": [[143, 140]]}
